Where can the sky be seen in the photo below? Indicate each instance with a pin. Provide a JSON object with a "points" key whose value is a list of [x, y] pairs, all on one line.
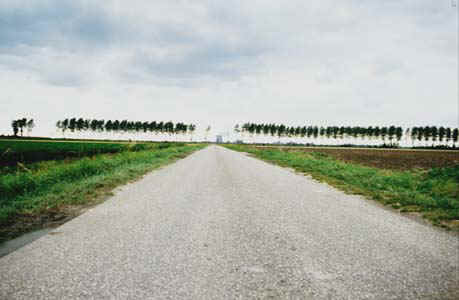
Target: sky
{"points": [[218, 63]]}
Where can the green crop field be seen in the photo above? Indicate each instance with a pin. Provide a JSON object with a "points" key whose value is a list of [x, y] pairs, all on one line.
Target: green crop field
{"points": [[12, 152], [40, 192]]}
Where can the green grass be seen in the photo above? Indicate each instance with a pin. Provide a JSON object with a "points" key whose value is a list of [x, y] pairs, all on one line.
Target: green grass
{"points": [[12, 152], [434, 193], [51, 186]]}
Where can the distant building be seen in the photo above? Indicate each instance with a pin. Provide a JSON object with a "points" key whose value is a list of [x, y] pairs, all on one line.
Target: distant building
{"points": [[219, 139]]}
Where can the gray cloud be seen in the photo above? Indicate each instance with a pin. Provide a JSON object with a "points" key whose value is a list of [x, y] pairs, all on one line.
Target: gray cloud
{"points": [[151, 47], [57, 24], [315, 61]]}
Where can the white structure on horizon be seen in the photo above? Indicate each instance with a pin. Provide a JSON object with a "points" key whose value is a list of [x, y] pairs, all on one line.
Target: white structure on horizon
{"points": [[219, 139]]}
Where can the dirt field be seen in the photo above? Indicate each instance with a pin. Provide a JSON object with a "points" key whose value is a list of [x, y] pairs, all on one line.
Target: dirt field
{"points": [[388, 159]]}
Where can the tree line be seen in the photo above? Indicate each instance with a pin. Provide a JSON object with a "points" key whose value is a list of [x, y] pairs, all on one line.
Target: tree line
{"points": [[432, 133], [20, 124], [124, 126], [391, 133]]}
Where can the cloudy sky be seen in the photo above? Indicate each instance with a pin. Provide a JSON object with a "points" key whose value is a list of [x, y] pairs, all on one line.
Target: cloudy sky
{"points": [[350, 62]]}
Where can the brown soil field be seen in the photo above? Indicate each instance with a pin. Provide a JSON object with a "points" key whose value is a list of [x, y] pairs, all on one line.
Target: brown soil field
{"points": [[392, 159]]}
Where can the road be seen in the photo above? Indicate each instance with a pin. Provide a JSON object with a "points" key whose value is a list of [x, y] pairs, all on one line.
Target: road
{"points": [[221, 225]]}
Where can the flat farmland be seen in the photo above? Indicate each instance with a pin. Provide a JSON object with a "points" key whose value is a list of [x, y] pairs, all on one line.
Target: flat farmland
{"points": [[393, 159], [13, 151]]}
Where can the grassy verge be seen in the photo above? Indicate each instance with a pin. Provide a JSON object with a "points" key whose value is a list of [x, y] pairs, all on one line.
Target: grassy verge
{"points": [[55, 190], [434, 193]]}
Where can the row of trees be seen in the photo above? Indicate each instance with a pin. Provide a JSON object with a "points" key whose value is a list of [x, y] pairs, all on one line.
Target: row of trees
{"points": [[20, 124], [434, 134], [390, 133], [124, 126]]}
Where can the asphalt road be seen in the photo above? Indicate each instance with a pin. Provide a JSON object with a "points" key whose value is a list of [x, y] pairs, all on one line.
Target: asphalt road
{"points": [[221, 225]]}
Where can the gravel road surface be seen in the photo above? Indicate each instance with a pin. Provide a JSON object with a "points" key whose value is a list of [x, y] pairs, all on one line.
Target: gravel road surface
{"points": [[221, 225]]}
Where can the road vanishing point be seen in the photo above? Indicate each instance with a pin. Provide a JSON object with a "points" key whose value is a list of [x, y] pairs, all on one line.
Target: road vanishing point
{"points": [[222, 225]]}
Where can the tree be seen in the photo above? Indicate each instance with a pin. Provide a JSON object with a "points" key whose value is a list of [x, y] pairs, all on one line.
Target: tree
{"points": [[455, 136], [414, 134], [145, 126], [80, 124], [86, 124], [207, 131], [321, 131], [341, 132], [65, 125], [21, 124], [448, 135], [384, 132], [377, 132], [237, 130], [153, 127], [266, 128], [335, 131], [398, 133], [391, 133], [420, 133], [427, 133], [252, 128], [93, 125], [15, 126], [297, 131], [30, 126], [169, 127], [109, 126], [273, 129], [124, 126], [441, 133], [72, 124], [328, 131], [309, 131], [407, 133], [355, 132], [303, 131], [291, 131], [434, 133], [160, 127], [191, 129], [180, 128], [315, 132], [138, 126], [258, 128], [100, 125], [59, 125], [116, 126], [281, 130]]}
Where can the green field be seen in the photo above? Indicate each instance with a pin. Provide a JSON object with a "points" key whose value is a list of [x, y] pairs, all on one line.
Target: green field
{"points": [[40, 192], [432, 192], [13, 151]]}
